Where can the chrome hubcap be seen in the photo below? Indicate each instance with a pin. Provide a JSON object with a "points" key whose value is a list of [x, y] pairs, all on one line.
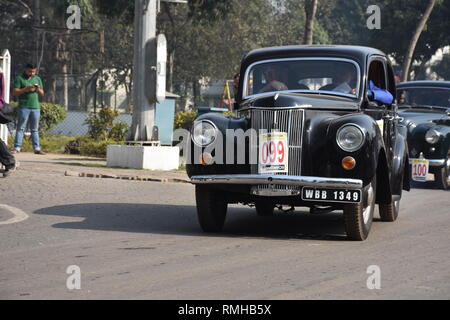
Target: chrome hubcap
{"points": [[368, 208]]}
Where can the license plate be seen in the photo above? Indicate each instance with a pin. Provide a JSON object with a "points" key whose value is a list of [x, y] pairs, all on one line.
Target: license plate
{"points": [[331, 195], [273, 153], [419, 169]]}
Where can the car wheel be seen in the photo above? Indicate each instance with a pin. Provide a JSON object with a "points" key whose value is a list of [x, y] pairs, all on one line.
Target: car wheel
{"points": [[264, 208], [389, 212], [211, 208], [358, 217], [442, 177]]}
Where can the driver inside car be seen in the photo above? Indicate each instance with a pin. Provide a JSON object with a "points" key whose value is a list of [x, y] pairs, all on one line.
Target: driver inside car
{"points": [[275, 79]]}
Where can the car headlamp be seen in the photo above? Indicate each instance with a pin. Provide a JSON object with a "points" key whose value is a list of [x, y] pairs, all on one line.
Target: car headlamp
{"points": [[432, 136], [204, 133], [350, 137]]}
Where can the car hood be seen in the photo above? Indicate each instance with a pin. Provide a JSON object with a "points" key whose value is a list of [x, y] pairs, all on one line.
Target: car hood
{"points": [[422, 116]]}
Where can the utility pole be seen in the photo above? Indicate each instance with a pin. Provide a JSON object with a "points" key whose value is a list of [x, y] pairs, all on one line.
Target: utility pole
{"points": [[144, 111], [148, 69]]}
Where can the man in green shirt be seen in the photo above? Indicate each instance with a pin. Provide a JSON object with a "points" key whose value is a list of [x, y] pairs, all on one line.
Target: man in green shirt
{"points": [[28, 87]]}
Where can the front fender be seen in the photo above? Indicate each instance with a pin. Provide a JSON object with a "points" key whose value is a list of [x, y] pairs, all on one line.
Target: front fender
{"points": [[366, 158], [218, 148]]}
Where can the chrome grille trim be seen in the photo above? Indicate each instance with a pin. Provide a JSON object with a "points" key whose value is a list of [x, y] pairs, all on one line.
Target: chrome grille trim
{"points": [[289, 120]]}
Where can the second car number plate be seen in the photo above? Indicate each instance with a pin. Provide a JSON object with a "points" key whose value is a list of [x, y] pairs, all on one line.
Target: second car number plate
{"points": [[419, 169], [273, 153]]}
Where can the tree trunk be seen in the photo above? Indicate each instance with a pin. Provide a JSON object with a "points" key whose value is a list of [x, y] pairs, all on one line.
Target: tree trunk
{"points": [[65, 70], [310, 10], [412, 45], [171, 68], [36, 33]]}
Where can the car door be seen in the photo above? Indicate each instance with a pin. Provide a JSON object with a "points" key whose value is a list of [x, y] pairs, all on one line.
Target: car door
{"points": [[384, 115], [391, 116]]}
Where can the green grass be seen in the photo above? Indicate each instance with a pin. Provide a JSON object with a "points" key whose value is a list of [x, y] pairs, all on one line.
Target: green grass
{"points": [[49, 143]]}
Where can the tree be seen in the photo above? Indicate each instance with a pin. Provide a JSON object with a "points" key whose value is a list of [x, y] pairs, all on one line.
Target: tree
{"points": [[310, 10], [415, 38], [442, 68], [399, 18]]}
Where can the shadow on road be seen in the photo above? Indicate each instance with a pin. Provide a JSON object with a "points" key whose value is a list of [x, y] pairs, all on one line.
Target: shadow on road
{"points": [[182, 220], [428, 185]]}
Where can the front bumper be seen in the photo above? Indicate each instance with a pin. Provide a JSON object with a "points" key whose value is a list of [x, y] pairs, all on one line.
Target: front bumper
{"points": [[435, 162], [256, 179]]}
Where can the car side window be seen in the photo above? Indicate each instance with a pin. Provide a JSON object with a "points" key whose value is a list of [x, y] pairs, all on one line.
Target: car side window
{"points": [[391, 79], [377, 74]]}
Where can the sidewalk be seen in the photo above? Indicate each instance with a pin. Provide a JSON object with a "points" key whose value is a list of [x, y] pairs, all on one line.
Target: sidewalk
{"points": [[81, 166]]}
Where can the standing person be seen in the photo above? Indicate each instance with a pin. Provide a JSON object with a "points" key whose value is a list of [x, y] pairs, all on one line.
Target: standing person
{"points": [[28, 87], [235, 86]]}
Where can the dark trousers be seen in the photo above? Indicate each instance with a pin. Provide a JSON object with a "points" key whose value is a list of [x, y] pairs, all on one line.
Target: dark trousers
{"points": [[6, 158]]}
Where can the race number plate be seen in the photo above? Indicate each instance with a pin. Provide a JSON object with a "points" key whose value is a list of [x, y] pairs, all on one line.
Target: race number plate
{"points": [[419, 169], [331, 195], [273, 153]]}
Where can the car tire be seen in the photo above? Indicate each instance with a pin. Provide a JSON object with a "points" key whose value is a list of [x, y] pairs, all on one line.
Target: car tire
{"points": [[211, 208], [264, 208], [358, 217], [442, 176], [389, 211]]}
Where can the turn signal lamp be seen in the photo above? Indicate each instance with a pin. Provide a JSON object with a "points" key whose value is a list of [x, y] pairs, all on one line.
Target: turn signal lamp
{"points": [[348, 163]]}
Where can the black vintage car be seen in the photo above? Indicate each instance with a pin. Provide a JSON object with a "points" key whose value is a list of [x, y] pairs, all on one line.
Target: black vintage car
{"points": [[317, 131], [425, 109]]}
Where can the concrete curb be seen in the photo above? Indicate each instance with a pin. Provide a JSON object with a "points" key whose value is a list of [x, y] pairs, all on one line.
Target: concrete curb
{"points": [[122, 177]]}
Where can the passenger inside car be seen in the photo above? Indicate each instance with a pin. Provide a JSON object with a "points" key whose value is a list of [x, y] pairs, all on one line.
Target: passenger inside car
{"points": [[341, 82]]}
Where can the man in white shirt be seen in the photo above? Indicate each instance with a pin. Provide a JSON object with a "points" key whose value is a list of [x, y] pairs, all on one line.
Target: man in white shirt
{"points": [[342, 81]]}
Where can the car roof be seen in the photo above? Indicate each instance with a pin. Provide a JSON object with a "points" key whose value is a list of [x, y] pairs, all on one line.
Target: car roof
{"points": [[424, 83], [358, 53]]}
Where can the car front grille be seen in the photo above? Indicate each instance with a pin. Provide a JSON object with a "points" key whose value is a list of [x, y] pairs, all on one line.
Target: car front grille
{"points": [[289, 120]]}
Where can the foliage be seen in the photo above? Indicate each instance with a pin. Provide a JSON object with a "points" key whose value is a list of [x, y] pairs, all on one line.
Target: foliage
{"points": [[442, 68], [51, 115], [103, 125], [49, 143], [87, 146], [95, 148], [184, 119], [229, 114], [399, 21], [206, 38]]}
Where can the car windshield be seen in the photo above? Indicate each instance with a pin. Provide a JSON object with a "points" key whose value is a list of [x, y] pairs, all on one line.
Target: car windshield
{"points": [[419, 97], [326, 76]]}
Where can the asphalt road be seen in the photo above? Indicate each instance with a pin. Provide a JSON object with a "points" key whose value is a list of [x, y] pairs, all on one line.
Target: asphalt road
{"points": [[141, 240]]}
